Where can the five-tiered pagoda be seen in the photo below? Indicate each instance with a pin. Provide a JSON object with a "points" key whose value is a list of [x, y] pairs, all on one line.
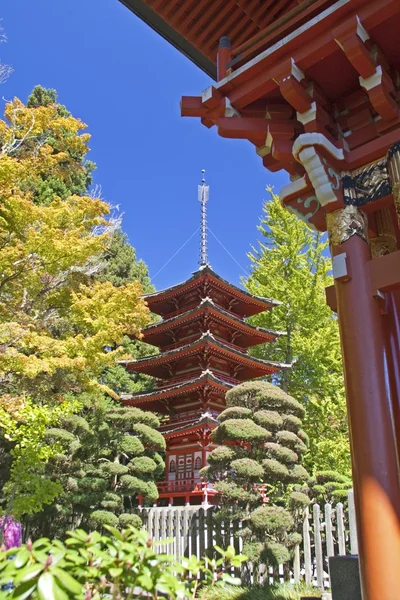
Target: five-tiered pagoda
{"points": [[203, 340]]}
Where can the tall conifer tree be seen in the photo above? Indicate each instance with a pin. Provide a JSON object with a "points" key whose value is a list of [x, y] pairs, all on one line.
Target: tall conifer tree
{"points": [[292, 264]]}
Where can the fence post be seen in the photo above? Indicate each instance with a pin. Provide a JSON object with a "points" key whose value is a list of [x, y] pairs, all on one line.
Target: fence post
{"points": [[340, 529], [330, 549], [318, 546], [307, 548], [352, 524], [186, 549], [296, 564]]}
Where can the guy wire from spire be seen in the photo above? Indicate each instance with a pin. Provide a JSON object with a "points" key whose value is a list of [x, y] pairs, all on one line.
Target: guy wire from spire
{"points": [[203, 191]]}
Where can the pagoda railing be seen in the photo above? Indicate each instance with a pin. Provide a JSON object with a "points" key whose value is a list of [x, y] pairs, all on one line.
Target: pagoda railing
{"points": [[187, 416], [190, 485]]}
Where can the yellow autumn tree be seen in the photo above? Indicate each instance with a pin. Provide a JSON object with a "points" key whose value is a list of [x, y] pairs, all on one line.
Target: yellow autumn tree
{"points": [[59, 328]]}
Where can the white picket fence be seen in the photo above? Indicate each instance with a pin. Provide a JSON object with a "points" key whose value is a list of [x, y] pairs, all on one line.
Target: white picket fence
{"points": [[327, 531]]}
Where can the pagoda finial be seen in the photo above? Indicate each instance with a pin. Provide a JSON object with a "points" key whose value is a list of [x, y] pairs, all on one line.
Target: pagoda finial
{"points": [[203, 198]]}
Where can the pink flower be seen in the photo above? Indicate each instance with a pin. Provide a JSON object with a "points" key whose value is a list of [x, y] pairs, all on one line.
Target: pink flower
{"points": [[11, 532]]}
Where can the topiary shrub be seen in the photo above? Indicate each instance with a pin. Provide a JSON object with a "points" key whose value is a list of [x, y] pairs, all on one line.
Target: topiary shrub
{"points": [[142, 465], [112, 456], [99, 518], [329, 487], [235, 412], [270, 419], [127, 519], [244, 430], [221, 455], [257, 463], [248, 469]]}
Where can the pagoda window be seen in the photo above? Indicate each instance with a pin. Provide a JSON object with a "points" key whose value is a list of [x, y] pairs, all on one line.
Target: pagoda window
{"points": [[197, 464], [172, 466]]}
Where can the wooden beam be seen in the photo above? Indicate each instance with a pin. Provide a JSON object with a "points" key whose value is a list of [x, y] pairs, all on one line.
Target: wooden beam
{"points": [[385, 273], [221, 18], [186, 25], [330, 296]]}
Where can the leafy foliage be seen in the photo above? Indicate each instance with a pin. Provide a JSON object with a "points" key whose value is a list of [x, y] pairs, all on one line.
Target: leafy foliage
{"points": [[60, 328], [257, 455], [104, 462], [328, 487], [291, 264], [123, 565]]}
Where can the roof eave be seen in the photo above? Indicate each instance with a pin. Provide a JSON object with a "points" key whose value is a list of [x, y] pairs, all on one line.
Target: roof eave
{"points": [[146, 14]]}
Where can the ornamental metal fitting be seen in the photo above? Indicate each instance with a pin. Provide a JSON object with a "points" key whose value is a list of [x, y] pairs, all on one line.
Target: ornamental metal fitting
{"points": [[393, 166], [342, 224]]}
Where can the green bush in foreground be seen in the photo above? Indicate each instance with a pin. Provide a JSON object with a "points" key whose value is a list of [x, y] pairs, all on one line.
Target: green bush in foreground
{"points": [[90, 566]]}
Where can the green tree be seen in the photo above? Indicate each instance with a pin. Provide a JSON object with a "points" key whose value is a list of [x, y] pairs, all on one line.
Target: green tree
{"points": [[329, 487], [292, 265], [120, 266], [56, 320], [261, 444], [109, 455]]}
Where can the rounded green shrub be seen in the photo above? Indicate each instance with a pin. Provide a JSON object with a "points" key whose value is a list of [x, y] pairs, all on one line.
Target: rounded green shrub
{"points": [[298, 500], [340, 495], [142, 465], [75, 423], [127, 519], [103, 517], [275, 554], [221, 455], [291, 423], [242, 430], [272, 519], [56, 434], [290, 440], [304, 437], [246, 395], [131, 445], [270, 419], [233, 492], [281, 454], [132, 485], [298, 473], [149, 437], [325, 476], [247, 468], [114, 468], [275, 470], [294, 539], [128, 416], [92, 484], [111, 501], [235, 412]]}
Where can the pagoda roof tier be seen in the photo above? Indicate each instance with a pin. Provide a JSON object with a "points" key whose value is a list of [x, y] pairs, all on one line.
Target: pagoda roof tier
{"points": [[206, 379], [251, 335], [251, 367], [205, 421], [243, 303]]}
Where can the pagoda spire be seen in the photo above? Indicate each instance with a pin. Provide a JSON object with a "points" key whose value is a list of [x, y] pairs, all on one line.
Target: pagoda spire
{"points": [[203, 191]]}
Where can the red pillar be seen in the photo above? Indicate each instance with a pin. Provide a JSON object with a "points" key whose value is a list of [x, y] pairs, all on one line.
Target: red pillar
{"points": [[374, 457], [223, 57], [391, 321]]}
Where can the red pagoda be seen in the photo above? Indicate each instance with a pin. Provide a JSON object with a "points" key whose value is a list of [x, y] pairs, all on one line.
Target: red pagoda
{"points": [[203, 340], [314, 86]]}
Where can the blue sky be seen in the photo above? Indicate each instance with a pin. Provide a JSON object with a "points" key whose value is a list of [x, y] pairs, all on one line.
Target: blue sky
{"points": [[125, 82]]}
